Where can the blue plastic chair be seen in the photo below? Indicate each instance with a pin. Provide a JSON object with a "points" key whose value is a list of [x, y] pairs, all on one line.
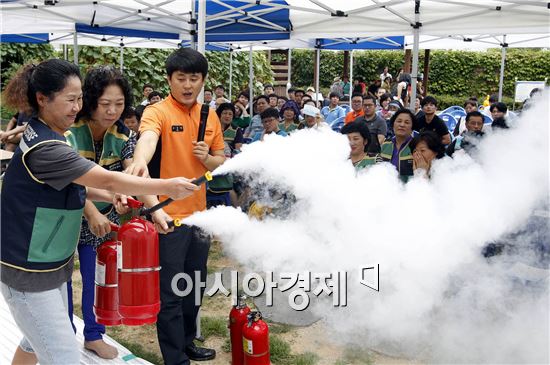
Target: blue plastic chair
{"points": [[453, 108], [450, 121], [337, 124], [457, 113], [346, 108]]}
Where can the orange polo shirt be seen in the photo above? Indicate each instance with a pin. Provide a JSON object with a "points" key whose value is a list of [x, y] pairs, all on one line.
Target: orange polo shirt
{"points": [[178, 127], [351, 116]]}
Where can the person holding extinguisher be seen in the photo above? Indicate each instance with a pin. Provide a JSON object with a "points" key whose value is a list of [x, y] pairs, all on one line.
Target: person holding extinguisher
{"points": [[101, 136], [43, 195], [172, 127]]}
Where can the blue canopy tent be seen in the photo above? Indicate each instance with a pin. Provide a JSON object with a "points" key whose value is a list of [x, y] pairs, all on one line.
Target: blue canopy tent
{"points": [[36, 38], [351, 44], [242, 21]]}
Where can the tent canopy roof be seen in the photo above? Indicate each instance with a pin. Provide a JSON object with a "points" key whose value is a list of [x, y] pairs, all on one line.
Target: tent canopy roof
{"points": [[292, 23]]}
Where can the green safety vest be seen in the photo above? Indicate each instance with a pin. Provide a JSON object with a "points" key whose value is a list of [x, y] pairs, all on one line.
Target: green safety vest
{"points": [[365, 162], [80, 138], [405, 165]]}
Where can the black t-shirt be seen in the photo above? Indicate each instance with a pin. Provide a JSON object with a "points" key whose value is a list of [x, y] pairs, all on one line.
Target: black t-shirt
{"points": [[437, 125]]}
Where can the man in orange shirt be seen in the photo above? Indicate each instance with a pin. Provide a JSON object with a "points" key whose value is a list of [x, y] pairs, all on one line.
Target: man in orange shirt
{"points": [[356, 108], [175, 122]]}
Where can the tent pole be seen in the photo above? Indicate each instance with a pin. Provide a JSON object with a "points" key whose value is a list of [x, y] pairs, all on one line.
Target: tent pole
{"points": [[193, 44], [414, 72], [75, 48], [317, 60], [121, 56], [504, 45], [201, 25], [230, 72], [250, 82], [350, 76], [289, 72], [201, 36]]}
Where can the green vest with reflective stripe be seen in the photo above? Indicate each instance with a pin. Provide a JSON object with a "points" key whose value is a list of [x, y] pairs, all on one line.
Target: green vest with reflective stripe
{"points": [[224, 183], [293, 126], [40, 224], [405, 165], [365, 162], [80, 138], [229, 135]]}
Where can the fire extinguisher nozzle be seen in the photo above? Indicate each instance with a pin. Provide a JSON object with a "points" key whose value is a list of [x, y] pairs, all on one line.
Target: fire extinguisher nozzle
{"points": [[201, 180], [175, 223]]}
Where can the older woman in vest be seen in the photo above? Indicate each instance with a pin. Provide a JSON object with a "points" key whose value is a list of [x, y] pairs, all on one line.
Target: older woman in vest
{"points": [[396, 150], [359, 139], [100, 135], [42, 200]]}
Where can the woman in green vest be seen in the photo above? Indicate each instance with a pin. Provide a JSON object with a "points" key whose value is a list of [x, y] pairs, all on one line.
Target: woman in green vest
{"points": [[359, 139], [101, 136], [42, 200], [220, 190], [232, 135], [241, 118], [396, 149], [290, 115]]}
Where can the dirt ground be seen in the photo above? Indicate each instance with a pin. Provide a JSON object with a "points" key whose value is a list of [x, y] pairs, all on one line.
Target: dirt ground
{"points": [[143, 342]]}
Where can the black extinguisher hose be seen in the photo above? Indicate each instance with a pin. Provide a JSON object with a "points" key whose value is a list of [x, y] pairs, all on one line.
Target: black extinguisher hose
{"points": [[198, 181]]}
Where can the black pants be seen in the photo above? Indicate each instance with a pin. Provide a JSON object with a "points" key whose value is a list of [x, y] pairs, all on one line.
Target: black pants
{"points": [[182, 251]]}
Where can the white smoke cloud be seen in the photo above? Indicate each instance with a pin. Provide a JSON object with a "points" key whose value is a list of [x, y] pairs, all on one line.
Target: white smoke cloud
{"points": [[439, 299]]}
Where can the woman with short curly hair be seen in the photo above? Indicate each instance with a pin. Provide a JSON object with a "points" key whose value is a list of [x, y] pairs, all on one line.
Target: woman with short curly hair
{"points": [[100, 135]]}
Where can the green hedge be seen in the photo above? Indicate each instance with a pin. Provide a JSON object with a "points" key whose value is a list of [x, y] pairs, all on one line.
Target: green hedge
{"points": [[463, 73]]}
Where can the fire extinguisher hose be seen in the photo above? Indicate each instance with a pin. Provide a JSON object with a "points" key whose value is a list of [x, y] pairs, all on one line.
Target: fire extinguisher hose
{"points": [[198, 181]]}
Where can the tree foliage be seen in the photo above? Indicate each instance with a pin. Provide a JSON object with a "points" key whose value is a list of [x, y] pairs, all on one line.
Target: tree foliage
{"points": [[453, 74], [219, 71], [144, 65], [147, 66], [14, 55], [459, 73]]}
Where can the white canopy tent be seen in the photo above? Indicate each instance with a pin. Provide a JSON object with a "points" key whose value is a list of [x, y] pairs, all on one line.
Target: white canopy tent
{"points": [[359, 18], [429, 23], [356, 18]]}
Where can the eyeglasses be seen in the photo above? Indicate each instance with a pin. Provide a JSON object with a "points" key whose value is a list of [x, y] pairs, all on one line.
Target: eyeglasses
{"points": [[368, 105]]}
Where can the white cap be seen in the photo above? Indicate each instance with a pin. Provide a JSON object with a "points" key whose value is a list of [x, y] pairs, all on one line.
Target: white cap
{"points": [[310, 110]]}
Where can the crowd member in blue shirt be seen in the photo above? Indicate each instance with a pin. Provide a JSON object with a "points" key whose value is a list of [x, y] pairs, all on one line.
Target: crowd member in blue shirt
{"points": [[333, 111], [270, 122], [254, 130]]}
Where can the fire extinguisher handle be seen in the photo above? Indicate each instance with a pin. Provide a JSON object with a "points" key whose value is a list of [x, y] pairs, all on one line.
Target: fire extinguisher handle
{"points": [[114, 227], [133, 203]]}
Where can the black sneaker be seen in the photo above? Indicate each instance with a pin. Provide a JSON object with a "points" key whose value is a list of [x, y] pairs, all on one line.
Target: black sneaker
{"points": [[196, 353]]}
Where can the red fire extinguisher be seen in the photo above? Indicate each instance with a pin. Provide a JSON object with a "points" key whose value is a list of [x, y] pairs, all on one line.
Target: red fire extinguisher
{"points": [[138, 270], [106, 282], [255, 340], [237, 319]]}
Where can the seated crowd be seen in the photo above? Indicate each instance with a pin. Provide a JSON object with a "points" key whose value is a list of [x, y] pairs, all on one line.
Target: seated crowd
{"points": [[378, 127]]}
